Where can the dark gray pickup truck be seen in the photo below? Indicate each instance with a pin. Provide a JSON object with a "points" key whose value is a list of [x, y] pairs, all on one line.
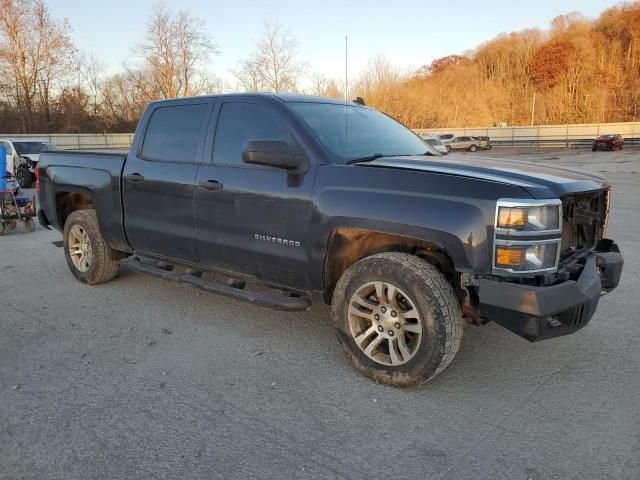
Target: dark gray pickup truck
{"points": [[284, 200]]}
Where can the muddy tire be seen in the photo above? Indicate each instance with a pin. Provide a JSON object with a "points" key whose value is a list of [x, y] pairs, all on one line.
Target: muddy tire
{"points": [[397, 318], [89, 257]]}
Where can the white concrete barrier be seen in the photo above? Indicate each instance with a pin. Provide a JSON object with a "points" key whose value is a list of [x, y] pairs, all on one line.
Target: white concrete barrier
{"points": [[558, 135]]}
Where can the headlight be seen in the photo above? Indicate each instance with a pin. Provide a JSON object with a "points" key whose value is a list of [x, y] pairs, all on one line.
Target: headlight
{"points": [[529, 219], [527, 236]]}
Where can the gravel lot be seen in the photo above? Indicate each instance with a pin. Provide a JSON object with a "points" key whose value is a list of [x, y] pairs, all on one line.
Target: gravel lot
{"points": [[140, 378]]}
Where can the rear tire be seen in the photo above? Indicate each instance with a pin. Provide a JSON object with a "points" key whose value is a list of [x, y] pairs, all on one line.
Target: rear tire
{"points": [[406, 305], [89, 257], [473, 148]]}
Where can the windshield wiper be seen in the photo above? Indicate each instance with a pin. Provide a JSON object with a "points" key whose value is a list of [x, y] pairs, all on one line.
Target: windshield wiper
{"points": [[370, 158]]}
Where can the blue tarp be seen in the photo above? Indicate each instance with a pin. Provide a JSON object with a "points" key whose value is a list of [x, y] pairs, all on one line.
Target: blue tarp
{"points": [[3, 167]]}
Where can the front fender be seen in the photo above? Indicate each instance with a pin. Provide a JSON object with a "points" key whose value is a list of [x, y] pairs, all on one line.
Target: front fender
{"points": [[453, 212]]}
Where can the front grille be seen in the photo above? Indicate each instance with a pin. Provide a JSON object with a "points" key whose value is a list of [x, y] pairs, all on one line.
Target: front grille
{"points": [[584, 219]]}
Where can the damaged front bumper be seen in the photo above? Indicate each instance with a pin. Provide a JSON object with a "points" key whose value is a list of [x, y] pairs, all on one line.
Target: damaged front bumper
{"points": [[541, 312]]}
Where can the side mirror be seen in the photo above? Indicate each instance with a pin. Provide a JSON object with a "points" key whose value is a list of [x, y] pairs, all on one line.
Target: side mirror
{"points": [[274, 153]]}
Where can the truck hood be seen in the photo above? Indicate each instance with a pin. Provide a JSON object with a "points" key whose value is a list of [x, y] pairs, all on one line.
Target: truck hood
{"points": [[540, 181]]}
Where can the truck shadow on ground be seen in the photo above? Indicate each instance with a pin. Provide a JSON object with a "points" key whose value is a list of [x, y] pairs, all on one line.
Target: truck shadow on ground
{"points": [[489, 357]]}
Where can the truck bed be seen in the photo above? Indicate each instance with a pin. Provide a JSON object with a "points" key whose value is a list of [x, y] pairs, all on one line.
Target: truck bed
{"points": [[69, 176]]}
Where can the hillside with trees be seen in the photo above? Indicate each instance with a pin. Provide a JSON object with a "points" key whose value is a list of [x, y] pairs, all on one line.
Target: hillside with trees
{"points": [[580, 70]]}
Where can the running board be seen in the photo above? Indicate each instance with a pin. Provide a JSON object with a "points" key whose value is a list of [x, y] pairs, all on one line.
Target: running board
{"points": [[277, 301]]}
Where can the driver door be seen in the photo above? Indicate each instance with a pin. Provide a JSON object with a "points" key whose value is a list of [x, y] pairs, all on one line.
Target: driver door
{"points": [[252, 219]]}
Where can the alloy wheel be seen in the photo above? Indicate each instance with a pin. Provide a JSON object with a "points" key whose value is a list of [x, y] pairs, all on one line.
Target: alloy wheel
{"points": [[385, 323], [80, 249]]}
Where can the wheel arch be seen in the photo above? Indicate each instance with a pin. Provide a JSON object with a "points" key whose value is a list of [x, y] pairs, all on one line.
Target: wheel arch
{"points": [[68, 202], [347, 245]]}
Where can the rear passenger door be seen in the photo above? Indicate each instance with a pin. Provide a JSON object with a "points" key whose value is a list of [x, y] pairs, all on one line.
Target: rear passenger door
{"points": [[159, 180], [253, 219]]}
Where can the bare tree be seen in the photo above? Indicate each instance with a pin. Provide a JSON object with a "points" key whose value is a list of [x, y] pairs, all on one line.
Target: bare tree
{"points": [[176, 52], [90, 77], [34, 54], [326, 87], [274, 66]]}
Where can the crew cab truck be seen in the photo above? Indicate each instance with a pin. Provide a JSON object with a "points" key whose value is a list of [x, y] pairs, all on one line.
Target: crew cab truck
{"points": [[318, 200]]}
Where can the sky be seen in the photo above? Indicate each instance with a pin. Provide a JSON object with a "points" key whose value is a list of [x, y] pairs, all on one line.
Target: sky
{"points": [[410, 33]]}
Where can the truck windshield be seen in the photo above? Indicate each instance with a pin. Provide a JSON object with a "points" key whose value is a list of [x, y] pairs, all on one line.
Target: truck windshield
{"points": [[351, 132], [24, 148]]}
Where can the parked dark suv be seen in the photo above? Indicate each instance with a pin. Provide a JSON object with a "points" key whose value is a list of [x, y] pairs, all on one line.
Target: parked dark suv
{"points": [[608, 142]]}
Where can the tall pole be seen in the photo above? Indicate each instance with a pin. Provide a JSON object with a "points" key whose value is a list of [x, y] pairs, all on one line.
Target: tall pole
{"points": [[346, 90], [533, 107], [346, 69]]}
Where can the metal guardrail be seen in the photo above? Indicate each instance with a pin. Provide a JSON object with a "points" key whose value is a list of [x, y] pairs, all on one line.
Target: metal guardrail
{"points": [[557, 143], [574, 135]]}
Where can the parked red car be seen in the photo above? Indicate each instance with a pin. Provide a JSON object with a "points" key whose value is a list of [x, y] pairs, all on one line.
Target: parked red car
{"points": [[608, 142]]}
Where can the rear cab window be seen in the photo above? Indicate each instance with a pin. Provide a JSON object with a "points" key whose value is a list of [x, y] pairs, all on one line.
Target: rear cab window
{"points": [[174, 133]]}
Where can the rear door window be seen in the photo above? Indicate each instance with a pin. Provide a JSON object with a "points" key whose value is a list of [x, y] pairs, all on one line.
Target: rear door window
{"points": [[174, 133]]}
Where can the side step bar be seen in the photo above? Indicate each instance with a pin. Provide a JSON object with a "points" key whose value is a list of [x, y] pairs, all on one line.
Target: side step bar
{"points": [[277, 301]]}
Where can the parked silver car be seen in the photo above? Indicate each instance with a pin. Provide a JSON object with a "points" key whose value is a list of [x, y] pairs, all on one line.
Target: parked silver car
{"points": [[446, 137], [436, 143], [470, 144]]}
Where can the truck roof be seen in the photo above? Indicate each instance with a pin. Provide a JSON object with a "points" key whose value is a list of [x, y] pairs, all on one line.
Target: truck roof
{"points": [[285, 97]]}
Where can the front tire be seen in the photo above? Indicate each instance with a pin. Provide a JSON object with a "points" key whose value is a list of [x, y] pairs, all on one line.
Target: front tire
{"points": [[397, 318], [23, 176], [89, 257]]}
